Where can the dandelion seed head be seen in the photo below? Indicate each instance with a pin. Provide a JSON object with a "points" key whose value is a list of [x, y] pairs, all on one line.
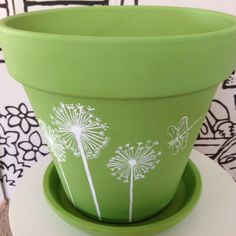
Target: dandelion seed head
{"points": [[54, 142], [76, 123], [133, 160], [76, 130]]}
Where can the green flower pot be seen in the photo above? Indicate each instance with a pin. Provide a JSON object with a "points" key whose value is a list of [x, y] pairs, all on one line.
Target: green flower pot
{"points": [[120, 93]]}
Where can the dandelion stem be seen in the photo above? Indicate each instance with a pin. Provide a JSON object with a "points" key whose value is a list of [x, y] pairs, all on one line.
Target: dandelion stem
{"points": [[67, 185], [131, 194], [86, 167]]}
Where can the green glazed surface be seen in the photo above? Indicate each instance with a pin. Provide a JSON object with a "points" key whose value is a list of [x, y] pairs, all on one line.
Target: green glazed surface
{"points": [[184, 201], [124, 91]]}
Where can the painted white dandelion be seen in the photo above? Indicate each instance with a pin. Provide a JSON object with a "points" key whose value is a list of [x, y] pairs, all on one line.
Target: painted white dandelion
{"points": [[179, 135], [83, 133], [57, 149], [53, 140], [77, 123], [132, 163]]}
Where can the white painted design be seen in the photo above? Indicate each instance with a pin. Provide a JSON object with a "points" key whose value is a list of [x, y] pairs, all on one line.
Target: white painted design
{"points": [[77, 123], [132, 163], [179, 135], [84, 134], [55, 145]]}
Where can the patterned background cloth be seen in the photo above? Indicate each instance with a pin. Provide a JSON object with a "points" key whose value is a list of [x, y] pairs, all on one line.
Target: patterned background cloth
{"points": [[21, 143]]}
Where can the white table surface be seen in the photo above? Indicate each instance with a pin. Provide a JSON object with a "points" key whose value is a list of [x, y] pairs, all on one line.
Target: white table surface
{"points": [[214, 215]]}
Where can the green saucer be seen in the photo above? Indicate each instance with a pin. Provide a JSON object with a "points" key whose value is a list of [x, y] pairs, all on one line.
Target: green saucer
{"points": [[185, 199]]}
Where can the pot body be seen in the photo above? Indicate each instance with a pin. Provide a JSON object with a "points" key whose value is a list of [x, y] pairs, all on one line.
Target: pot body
{"points": [[173, 123]]}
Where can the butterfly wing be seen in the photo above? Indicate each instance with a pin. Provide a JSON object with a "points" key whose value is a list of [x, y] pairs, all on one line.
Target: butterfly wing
{"points": [[183, 132], [174, 143], [172, 131]]}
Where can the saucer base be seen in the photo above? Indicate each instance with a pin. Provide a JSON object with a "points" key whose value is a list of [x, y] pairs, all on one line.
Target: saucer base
{"points": [[185, 199]]}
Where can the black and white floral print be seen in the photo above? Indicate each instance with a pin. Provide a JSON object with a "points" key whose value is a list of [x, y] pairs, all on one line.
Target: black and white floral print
{"points": [[21, 144], [10, 173], [217, 137], [230, 83], [33, 148], [22, 117], [8, 141]]}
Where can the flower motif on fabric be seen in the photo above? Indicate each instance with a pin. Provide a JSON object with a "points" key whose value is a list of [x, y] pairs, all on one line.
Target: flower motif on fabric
{"points": [[179, 134], [133, 163], [33, 148], [8, 140], [18, 123], [11, 175], [22, 117], [84, 134]]}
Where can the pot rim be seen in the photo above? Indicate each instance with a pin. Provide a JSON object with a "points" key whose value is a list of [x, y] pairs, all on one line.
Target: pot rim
{"points": [[6, 28]]}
